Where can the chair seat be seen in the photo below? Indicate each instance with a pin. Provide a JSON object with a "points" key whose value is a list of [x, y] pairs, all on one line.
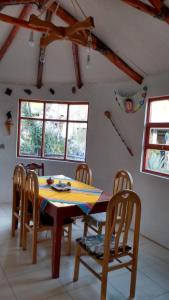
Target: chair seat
{"points": [[95, 219], [94, 244]]}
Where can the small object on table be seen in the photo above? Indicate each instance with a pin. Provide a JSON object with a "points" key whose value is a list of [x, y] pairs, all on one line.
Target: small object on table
{"points": [[49, 181]]}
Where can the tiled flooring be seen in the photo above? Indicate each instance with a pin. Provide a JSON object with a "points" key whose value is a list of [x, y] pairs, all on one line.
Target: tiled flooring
{"points": [[20, 280]]}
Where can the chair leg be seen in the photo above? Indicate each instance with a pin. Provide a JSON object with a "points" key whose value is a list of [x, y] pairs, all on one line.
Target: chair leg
{"points": [[77, 263], [85, 229], [34, 246], [133, 281], [13, 225], [24, 237], [104, 284], [69, 239], [21, 229]]}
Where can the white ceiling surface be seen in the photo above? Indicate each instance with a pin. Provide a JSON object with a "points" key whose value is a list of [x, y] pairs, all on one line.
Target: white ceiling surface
{"points": [[141, 40]]}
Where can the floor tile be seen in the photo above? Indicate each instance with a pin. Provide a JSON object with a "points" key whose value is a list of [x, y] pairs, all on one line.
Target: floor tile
{"points": [[146, 289], [6, 292]]}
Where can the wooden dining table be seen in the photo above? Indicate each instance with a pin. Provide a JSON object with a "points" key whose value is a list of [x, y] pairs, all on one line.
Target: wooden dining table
{"points": [[59, 211]]}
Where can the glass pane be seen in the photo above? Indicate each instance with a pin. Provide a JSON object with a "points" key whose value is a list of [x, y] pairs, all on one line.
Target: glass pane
{"points": [[159, 136], [32, 109], [56, 111], [76, 144], [78, 112], [31, 137], [55, 133], [159, 111], [157, 161]]}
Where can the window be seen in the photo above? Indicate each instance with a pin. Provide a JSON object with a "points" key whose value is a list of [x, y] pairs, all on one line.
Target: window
{"points": [[156, 141], [52, 130]]}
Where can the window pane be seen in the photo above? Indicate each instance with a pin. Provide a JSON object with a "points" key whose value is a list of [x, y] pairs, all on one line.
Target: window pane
{"points": [[159, 136], [157, 161], [55, 133], [32, 109], [78, 112], [159, 111], [30, 137], [56, 111], [76, 144]]}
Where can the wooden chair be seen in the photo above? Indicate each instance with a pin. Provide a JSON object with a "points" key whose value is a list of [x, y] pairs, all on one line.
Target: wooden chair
{"points": [[84, 174], [123, 180], [38, 168], [40, 222], [19, 176], [114, 247]]}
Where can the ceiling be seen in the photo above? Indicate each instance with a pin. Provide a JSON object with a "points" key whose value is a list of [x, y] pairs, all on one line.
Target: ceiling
{"points": [[139, 39]]}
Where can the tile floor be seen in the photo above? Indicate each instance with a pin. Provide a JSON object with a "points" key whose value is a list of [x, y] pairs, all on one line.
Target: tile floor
{"points": [[20, 280]]}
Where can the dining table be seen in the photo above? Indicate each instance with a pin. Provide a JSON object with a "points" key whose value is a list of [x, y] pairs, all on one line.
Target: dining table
{"points": [[78, 200]]}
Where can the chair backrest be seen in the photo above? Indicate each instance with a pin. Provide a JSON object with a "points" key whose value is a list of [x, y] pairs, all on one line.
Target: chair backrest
{"points": [[130, 203], [38, 168], [31, 194], [19, 176], [123, 180], [84, 174]]}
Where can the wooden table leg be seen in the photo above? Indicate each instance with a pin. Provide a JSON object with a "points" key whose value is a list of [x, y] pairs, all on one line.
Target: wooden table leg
{"points": [[56, 246]]}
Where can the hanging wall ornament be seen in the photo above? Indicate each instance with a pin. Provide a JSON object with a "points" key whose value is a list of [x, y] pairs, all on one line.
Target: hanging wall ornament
{"points": [[131, 103]]}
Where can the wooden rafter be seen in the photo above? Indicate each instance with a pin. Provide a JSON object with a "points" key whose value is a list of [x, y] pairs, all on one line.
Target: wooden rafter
{"points": [[75, 51], [98, 45], [159, 11], [22, 23], [24, 12], [157, 4], [15, 2], [152, 11], [42, 54]]}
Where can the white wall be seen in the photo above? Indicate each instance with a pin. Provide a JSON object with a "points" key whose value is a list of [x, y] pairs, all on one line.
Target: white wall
{"points": [[105, 151]]}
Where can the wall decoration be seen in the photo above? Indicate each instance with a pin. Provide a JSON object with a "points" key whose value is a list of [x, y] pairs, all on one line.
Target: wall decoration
{"points": [[28, 91], [109, 116], [8, 122], [73, 90], [52, 91], [8, 91], [131, 103]]}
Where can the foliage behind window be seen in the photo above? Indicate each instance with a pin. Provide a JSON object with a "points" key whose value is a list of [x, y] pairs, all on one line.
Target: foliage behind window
{"points": [[156, 141], [52, 130]]}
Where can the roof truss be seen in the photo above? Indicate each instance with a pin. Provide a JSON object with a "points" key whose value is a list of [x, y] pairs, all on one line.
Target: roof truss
{"points": [[96, 44]]}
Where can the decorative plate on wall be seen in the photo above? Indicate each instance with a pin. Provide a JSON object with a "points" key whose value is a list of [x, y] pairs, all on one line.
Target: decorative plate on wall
{"points": [[131, 103]]}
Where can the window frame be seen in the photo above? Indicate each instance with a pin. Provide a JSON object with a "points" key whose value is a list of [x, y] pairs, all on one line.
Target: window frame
{"points": [[43, 119], [147, 145]]}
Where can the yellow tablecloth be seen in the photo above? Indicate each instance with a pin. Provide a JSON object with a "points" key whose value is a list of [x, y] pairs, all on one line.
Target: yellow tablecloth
{"points": [[81, 194]]}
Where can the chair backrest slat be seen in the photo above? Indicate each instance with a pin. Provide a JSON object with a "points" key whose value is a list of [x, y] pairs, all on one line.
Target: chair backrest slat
{"points": [[130, 208], [123, 180], [38, 168], [19, 176], [84, 174], [31, 194]]}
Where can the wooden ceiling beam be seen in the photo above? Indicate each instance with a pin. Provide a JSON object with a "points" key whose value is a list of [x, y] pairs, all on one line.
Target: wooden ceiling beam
{"points": [[152, 11], [98, 45], [15, 2], [42, 54], [162, 13], [14, 21], [157, 4], [75, 51], [24, 12]]}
